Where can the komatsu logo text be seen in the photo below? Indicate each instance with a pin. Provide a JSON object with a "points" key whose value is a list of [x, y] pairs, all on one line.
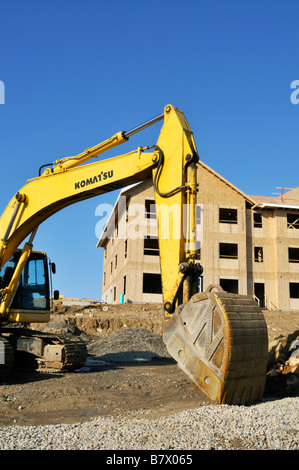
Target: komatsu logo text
{"points": [[94, 179]]}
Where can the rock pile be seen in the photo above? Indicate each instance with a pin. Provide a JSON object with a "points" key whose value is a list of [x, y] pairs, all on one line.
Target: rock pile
{"points": [[283, 364], [129, 344]]}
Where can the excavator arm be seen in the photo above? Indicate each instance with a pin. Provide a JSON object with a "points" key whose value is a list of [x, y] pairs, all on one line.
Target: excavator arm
{"points": [[213, 336], [172, 165]]}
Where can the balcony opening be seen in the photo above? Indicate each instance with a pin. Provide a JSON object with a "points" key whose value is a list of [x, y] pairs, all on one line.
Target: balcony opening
{"points": [[259, 292]]}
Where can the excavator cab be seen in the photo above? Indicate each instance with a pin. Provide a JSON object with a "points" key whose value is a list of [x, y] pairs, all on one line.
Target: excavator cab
{"points": [[23, 347], [32, 298]]}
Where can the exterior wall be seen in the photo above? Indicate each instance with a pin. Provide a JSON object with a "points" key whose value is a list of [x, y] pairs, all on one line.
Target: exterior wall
{"points": [[215, 194], [288, 272], [265, 270], [268, 277], [275, 271], [135, 263]]}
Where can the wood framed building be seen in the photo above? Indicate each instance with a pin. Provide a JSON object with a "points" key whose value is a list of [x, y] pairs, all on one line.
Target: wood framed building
{"points": [[248, 244]]}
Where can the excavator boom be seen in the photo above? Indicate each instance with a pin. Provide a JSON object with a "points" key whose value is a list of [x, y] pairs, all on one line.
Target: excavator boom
{"points": [[218, 339]]}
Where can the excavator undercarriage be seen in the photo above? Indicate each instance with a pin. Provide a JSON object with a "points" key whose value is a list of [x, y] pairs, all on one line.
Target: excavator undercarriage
{"points": [[25, 348]]}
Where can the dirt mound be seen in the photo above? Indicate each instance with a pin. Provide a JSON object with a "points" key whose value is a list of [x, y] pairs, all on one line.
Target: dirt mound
{"points": [[98, 321]]}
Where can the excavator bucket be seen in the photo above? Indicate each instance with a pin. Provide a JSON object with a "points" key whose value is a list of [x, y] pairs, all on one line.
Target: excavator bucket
{"points": [[220, 341]]}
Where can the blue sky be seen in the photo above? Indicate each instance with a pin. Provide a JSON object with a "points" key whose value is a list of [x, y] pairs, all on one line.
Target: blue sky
{"points": [[78, 71]]}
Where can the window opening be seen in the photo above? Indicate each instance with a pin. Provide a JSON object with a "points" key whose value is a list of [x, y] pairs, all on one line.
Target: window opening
{"points": [[198, 214], [151, 246], [257, 220], [230, 285], [33, 288], [258, 254], [150, 209], [294, 290], [152, 283], [228, 250], [293, 221], [293, 255], [228, 216]]}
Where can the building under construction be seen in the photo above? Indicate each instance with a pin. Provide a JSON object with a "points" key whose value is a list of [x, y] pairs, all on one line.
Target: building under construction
{"points": [[247, 244]]}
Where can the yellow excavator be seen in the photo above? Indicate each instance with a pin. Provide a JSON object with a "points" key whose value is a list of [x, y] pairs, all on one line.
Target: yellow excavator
{"points": [[217, 338]]}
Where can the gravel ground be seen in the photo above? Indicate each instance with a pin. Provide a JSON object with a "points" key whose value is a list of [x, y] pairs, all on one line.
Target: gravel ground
{"points": [[271, 425]]}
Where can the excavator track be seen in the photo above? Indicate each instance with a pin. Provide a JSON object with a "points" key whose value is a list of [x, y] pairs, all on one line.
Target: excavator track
{"points": [[6, 357], [50, 352], [73, 356], [220, 341]]}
